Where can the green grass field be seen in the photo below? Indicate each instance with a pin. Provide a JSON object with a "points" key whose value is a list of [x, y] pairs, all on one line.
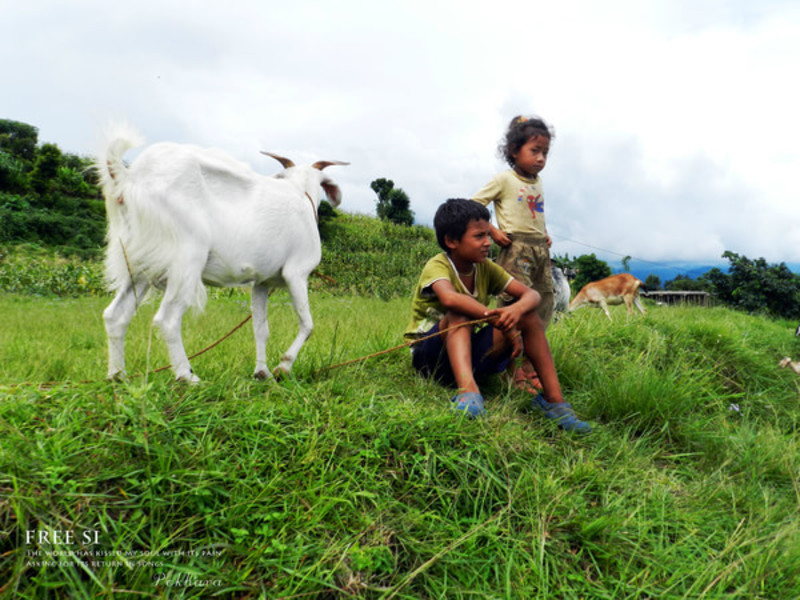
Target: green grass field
{"points": [[358, 481]]}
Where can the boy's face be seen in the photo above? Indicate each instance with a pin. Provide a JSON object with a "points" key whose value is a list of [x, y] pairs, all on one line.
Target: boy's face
{"points": [[474, 245], [532, 157]]}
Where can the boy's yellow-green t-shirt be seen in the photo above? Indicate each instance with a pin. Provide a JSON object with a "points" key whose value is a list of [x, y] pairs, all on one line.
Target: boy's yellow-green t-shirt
{"points": [[518, 202], [426, 310]]}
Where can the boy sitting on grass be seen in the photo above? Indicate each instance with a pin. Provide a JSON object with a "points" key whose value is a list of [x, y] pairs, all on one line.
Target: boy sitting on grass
{"points": [[454, 289]]}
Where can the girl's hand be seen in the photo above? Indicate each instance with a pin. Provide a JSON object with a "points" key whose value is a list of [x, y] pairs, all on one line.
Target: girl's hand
{"points": [[500, 238]]}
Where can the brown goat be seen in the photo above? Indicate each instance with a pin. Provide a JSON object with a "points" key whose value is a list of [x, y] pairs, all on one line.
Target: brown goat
{"points": [[611, 290]]}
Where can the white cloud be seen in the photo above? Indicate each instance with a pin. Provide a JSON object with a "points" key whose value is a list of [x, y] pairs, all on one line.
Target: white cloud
{"points": [[675, 120]]}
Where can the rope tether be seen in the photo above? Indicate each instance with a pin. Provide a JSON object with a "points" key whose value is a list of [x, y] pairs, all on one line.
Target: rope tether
{"points": [[407, 344], [328, 368]]}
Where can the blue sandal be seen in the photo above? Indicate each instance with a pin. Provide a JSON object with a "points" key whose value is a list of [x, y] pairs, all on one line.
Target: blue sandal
{"points": [[561, 412], [470, 403]]}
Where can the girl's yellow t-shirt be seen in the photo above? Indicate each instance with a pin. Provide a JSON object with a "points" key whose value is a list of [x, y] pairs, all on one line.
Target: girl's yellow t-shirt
{"points": [[518, 202]]}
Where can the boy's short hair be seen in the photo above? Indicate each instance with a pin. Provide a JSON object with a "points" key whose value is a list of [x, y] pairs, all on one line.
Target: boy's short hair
{"points": [[453, 216]]}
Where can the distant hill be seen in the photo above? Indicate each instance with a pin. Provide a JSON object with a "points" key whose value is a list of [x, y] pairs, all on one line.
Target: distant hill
{"points": [[669, 270]]}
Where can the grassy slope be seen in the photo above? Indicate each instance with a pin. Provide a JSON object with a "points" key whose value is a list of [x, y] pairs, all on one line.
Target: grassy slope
{"points": [[361, 256], [357, 481]]}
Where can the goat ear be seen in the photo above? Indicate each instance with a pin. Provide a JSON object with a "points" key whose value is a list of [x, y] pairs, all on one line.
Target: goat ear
{"points": [[321, 164], [284, 161], [332, 192]]}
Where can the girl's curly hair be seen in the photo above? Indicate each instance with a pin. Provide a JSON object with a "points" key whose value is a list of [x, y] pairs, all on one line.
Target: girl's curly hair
{"points": [[520, 130]]}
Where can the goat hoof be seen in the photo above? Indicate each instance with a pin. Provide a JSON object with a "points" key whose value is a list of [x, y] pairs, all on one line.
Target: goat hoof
{"points": [[262, 375], [190, 378], [280, 374]]}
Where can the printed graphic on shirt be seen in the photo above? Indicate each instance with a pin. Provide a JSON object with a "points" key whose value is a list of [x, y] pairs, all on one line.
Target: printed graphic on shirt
{"points": [[535, 203], [524, 265]]}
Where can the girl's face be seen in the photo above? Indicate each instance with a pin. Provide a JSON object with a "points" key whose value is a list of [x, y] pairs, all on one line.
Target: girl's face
{"points": [[532, 157]]}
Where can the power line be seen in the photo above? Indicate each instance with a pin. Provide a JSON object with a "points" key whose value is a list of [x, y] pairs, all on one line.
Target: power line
{"points": [[651, 262]]}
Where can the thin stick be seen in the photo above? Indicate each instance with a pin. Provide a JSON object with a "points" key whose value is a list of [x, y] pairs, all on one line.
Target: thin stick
{"points": [[130, 272], [407, 344], [207, 348]]}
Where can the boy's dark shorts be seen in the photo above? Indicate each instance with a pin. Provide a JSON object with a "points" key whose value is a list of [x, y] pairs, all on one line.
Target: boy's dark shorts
{"points": [[429, 358]]}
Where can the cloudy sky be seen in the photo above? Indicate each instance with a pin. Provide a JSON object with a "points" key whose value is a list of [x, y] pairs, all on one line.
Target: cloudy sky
{"points": [[677, 121]]}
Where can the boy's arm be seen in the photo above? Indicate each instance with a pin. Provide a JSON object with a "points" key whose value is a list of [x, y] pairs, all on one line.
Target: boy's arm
{"points": [[509, 316], [454, 301]]}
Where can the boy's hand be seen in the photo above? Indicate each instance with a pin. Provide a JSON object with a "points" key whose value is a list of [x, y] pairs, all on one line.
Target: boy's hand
{"points": [[507, 317], [514, 337]]}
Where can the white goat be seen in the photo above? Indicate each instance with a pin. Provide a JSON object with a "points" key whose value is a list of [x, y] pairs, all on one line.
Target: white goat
{"points": [[788, 362], [561, 289], [181, 216]]}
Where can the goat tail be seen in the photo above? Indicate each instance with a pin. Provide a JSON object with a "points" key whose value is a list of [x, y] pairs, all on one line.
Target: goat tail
{"points": [[113, 176], [118, 139]]}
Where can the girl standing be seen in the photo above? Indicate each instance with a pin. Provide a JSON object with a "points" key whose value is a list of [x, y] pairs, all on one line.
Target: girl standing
{"points": [[519, 208]]}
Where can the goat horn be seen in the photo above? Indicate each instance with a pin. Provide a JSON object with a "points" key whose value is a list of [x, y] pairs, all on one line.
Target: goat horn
{"points": [[321, 164], [284, 161]]}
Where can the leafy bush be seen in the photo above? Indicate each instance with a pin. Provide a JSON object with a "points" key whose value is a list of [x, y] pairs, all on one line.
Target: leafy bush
{"points": [[29, 269], [72, 183], [64, 222], [12, 173]]}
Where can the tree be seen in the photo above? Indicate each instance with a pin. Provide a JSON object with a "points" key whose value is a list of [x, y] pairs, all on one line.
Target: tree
{"points": [[45, 196], [18, 139], [652, 282], [326, 214], [45, 169], [12, 174], [720, 284], [757, 287], [626, 264], [589, 268], [393, 203], [684, 283]]}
